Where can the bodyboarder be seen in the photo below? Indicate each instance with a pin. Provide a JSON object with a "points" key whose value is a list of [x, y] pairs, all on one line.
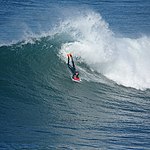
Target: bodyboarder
{"points": [[75, 73]]}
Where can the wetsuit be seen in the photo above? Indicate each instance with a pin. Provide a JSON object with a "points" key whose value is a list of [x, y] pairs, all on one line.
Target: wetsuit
{"points": [[72, 68]]}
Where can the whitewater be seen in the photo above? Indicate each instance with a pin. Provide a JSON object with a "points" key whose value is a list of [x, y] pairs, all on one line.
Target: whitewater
{"points": [[123, 60]]}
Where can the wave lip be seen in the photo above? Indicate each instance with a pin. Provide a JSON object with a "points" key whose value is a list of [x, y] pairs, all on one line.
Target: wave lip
{"points": [[123, 60]]}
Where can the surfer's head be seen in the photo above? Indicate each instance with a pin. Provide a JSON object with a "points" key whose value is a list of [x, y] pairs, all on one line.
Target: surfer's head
{"points": [[77, 74]]}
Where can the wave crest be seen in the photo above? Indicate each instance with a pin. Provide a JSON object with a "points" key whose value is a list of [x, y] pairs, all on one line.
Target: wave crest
{"points": [[123, 60]]}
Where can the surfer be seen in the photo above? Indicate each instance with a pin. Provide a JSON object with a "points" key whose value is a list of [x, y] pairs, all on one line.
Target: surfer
{"points": [[75, 73]]}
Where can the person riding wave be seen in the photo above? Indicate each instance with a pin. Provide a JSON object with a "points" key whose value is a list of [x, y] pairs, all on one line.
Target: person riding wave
{"points": [[72, 67]]}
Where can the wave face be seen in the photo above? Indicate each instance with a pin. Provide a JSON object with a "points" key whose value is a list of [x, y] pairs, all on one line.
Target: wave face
{"points": [[40, 106]]}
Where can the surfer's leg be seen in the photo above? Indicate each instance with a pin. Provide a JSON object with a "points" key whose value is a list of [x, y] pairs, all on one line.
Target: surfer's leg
{"points": [[68, 61], [72, 68], [72, 62], [69, 66]]}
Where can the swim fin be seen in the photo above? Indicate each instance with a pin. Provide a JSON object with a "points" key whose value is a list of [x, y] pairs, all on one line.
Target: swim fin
{"points": [[69, 55]]}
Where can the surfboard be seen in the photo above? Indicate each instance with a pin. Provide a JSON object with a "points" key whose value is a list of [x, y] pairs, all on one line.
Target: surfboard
{"points": [[79, 80]]}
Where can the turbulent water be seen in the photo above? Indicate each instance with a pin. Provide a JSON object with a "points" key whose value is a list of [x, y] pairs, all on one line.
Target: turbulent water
{"points": [[40, 106]]}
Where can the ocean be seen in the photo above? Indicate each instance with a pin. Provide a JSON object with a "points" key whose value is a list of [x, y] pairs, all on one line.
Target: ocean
{"points": [[41, 108]]}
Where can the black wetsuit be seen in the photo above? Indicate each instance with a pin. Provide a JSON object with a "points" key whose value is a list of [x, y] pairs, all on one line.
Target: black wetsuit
{"points": [[72, 68]]}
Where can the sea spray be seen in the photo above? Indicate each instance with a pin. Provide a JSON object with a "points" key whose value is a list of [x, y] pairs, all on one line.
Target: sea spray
{"points": [[123, 60]]}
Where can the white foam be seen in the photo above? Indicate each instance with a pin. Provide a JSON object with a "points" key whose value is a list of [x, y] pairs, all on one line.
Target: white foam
{"points": [[123, 60]]}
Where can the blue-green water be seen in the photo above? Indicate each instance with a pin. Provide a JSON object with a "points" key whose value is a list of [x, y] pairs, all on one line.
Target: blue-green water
{"points": [[41, 108]]}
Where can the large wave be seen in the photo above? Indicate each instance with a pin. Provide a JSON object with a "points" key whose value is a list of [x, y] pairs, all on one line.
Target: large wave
{"points": [[123, 60], [89, 38]]}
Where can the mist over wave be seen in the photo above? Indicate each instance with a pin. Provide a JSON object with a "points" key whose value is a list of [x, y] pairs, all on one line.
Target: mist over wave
{"points": [[123, 60]]}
